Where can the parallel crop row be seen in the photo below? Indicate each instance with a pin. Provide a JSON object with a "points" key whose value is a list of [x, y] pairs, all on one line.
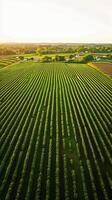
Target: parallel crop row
{"points": [[56, 133]]}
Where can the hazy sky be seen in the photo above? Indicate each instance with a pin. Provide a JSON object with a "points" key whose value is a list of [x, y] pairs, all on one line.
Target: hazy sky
{"points": [[56, 21]]}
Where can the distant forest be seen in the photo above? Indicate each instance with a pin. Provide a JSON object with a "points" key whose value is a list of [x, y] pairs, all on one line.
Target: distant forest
{"points": [[17, 49]]}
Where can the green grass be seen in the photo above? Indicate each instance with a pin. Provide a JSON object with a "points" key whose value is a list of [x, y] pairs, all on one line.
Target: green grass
{"points": [[56, 132], [103, 61], [41, 56]]}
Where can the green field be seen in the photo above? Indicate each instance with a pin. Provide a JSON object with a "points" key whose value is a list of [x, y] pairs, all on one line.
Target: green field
{"points": [[4, 62], [43, 55], [56, 132]]}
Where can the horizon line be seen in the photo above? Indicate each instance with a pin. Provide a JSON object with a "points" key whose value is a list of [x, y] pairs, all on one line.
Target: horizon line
{"points": [[54, 42]]}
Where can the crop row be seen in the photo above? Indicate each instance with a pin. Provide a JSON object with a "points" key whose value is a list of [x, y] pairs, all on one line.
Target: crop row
{"points": [[56, 133]]}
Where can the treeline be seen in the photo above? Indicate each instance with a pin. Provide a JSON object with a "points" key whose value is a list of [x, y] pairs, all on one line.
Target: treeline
{"points": [[17, 49], [83, 59], [87, 48], [42, 49]]}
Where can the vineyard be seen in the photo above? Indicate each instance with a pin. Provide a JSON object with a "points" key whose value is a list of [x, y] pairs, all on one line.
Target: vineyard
{"points": [[56, 132]]}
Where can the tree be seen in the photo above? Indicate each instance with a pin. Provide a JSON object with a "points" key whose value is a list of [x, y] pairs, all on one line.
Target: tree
{"points": [[87, 58], [21, 57], [41, 50], [71, 56], [59, 58], [46, 59]]}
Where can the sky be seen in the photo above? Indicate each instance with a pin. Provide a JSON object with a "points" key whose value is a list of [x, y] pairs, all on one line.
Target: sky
{"points": [[77, 21]]}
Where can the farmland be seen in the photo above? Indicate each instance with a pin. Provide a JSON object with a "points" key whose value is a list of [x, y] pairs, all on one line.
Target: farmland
{"points": [[4, 62], [105, 67], [56, 132]]}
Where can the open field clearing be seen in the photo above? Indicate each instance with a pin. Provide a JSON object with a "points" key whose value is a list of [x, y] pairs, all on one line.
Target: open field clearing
{"points": [[56, 132], [105, 67]]}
